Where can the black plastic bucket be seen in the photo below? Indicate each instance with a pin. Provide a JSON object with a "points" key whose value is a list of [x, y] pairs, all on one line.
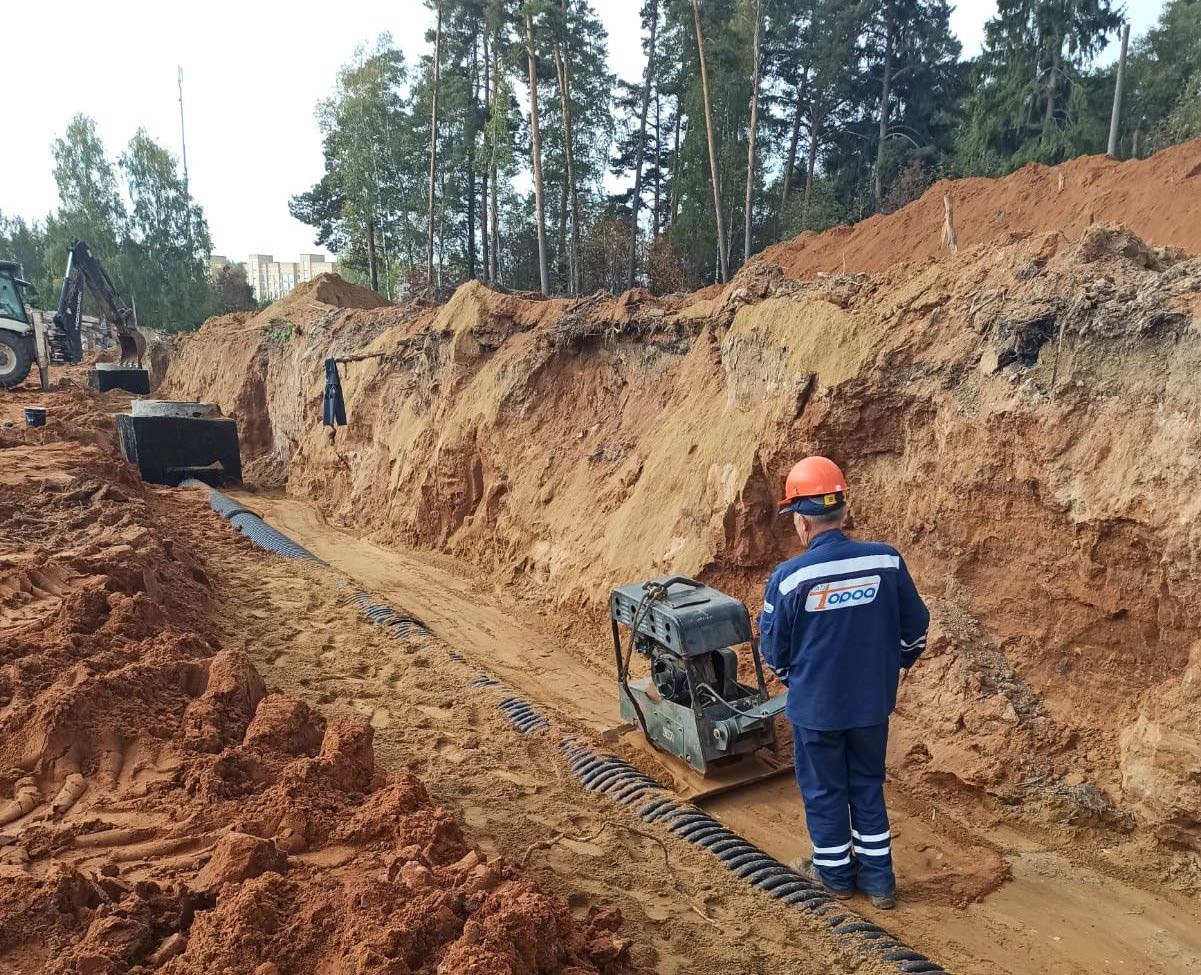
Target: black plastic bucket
{"points": [[35, 416]]}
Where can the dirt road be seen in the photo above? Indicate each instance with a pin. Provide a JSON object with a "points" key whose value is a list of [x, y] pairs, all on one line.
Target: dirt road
{"points": [[1060, 912]]}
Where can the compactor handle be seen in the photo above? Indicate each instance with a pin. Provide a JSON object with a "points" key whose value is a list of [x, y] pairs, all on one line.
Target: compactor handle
{"points": [[668, 583]]}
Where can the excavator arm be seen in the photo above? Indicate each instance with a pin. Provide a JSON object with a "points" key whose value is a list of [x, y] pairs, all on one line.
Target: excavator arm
{"points": [[86, 275]]}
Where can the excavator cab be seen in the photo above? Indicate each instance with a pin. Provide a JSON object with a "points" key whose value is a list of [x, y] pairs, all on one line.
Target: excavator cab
{"points": [[18, 341]]}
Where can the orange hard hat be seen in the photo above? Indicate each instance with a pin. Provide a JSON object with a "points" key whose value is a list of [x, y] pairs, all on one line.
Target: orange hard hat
{"points": [[815, 485]]}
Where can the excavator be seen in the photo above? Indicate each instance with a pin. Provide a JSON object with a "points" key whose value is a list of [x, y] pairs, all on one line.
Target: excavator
{"points": [[27, 339]]}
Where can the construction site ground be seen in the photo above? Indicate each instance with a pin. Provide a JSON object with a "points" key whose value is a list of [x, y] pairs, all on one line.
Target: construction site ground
{"points": [[211, 762], [116, 880], [978, 894]]}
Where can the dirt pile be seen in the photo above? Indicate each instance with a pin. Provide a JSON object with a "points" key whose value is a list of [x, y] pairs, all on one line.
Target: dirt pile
{"points": [[1157, 198], [73, 413], [236, 361], [161, 808], [1020, 420]]}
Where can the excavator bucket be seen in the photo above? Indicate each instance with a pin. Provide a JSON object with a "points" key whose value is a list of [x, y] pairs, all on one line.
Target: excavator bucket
{"points": [[133, 347]]}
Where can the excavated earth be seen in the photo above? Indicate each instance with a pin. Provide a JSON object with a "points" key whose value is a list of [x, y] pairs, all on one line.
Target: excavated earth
{"points": [[210, 763], [1019, 418]]}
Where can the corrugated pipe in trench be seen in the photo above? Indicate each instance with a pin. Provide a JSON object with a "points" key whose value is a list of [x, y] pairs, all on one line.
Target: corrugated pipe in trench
{"points": [[611, 776]]}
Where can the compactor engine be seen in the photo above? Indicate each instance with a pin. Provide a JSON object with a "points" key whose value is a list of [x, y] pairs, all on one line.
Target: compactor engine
{"points": [[692, 704]]}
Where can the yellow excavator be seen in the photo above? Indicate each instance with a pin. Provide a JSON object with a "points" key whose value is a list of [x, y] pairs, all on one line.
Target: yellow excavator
{"points": [[26, 339]]}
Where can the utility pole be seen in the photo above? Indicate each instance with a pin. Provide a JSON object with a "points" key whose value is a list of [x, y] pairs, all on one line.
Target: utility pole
{"points": [[183, 146], [183, 138], [1116, 118]]}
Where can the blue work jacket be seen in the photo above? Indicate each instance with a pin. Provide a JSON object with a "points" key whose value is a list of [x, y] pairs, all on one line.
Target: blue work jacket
{"points": [[838, 623]]}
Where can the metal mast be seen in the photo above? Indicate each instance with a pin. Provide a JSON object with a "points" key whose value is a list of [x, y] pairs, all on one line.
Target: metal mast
{"points": [[183, 139]]}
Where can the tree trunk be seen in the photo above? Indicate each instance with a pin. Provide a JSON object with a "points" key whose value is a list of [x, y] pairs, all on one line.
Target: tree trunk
{"points": [[885, 82], [636, 201], [675, 170], [429, 247], [372, 270], [795, 139], [563, 68], [562, 254], [723, 268], [1052, 84], [656, 219], [536, 145], [495, 218], [441, 228], [484, 244], [750, 149], [811, 163], [493, 181], [471, 164]]}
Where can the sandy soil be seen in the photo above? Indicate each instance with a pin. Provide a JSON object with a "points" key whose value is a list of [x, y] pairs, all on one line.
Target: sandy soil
{"points": [[1061, 909], [1019, 420], [162, 808], [1143, 194], [685, 914]]}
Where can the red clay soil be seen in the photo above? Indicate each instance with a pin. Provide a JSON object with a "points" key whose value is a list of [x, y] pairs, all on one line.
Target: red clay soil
{"points": [[1150, 196], [160, 809]]}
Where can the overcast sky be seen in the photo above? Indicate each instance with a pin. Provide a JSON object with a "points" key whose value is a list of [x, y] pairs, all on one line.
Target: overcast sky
{"points": [[253, 73]]}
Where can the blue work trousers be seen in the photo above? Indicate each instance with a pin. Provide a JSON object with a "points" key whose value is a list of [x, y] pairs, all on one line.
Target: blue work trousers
{"points": [[841, 775]]}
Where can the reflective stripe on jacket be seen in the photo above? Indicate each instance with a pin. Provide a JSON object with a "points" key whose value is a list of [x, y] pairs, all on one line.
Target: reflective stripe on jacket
{"points": [[838, 624]]}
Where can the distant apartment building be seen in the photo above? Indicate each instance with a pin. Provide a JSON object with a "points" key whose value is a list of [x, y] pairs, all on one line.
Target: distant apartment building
{"points": [[271, 279]]}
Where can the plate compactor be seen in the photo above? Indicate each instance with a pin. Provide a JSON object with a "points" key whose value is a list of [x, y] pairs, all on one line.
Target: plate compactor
{"points": [[693, 705]]}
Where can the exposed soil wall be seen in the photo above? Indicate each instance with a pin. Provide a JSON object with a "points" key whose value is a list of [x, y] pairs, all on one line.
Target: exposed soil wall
{"points": [[1021, 420]]}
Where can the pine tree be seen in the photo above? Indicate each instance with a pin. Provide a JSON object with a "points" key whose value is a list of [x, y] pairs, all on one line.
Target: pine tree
{"points": [[528, 14], [1165, 76]]}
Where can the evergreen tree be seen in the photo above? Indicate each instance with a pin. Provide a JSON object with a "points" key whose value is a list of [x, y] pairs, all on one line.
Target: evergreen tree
{"points": [[1029, 93], [365, 206], [25, 243], [233, 291]]}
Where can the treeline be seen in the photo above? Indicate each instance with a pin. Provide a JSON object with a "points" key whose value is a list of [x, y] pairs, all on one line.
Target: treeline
{"points": [[496, 155], [141, 222]]}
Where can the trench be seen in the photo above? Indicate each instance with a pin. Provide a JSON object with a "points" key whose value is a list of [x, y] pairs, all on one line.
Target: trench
{"points": [[1057, 912]]}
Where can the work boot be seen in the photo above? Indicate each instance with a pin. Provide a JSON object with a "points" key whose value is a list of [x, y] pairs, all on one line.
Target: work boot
{"points": [[884, 902], [806, 868]]}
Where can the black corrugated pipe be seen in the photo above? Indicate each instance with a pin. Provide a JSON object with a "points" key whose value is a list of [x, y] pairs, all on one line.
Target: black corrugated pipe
{"points": [[252, 526], [622, 782]]}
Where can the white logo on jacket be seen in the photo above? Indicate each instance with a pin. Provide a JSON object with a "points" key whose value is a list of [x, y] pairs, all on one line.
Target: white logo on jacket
{"points": [[842, 594]]}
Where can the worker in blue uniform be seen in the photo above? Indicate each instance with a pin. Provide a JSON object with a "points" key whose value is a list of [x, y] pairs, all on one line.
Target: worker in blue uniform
{"points": [[839, 623]]}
